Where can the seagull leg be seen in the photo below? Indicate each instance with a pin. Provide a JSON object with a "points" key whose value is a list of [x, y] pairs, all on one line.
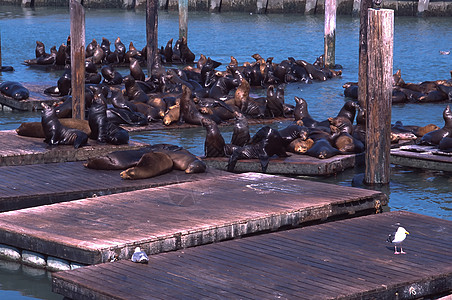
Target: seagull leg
{"points": [[395, 250], [401, 251]]}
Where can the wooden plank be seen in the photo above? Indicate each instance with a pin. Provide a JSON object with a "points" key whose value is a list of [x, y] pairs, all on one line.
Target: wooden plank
{"points": [[178, 216], [423, 157], [21, 150], [347, 259], [296, 164], [41, 184]]}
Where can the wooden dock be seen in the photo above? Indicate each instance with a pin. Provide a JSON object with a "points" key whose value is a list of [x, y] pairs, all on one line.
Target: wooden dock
{"points": [[20, 150], [95, 230], [296, 164], [42, 184], [423, 157], [33, 103], [346, 259]]}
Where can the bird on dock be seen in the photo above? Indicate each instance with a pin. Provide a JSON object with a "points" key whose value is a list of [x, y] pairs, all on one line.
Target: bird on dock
{"points": [[140, 256], [397, 238]]}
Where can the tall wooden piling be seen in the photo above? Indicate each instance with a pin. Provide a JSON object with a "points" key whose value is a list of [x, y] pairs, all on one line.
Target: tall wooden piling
{"points": [[0, 50], [330, 33], [77, 13], [379, 95], [151, 33], [183, 18], [362, 71]]}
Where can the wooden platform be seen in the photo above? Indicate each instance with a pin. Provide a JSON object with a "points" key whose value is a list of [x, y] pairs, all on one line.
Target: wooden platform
{"points": [[41, 184], [424, 157], [20, 150], [346, 259], [295, 164], [34, 101], [94, 230]]}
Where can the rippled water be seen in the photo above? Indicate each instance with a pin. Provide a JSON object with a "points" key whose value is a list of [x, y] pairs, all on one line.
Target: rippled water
{"points": [[417, 42]]}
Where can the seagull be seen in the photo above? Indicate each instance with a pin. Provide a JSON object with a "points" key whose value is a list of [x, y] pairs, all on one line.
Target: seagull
{"points": [[397, 238], [140, 256], [444, 52]]}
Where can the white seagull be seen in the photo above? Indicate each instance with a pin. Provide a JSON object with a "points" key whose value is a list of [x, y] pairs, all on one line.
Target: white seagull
{"points": [[140, 256], [397, 238]]}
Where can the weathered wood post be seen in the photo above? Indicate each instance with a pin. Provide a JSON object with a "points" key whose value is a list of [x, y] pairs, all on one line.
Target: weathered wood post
{"points": [[330, 33], [183, 18], [362, 71], [77, 59], [0, 50], [379, 95], [151, 33]]}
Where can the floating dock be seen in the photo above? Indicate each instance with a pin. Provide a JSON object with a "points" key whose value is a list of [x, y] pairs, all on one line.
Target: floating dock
{"points": [[423, 157], [42, 184], [33, 103], [296, 164], [21, 150], [346, 259], [96, 230]]}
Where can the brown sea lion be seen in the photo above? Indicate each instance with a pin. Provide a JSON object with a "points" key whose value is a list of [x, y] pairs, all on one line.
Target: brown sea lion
{"points": [[150, 165], [182, 158], [434, 137], [300, 145], [117, 160], [241, 131], [214, 142], [34, 129], [423, 130], [242, 94], [171, 115], [196, 166], [347, 144], [188, 111]]}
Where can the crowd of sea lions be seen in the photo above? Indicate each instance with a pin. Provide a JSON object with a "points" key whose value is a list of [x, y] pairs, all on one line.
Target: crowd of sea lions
{"points": [[409, 92]]}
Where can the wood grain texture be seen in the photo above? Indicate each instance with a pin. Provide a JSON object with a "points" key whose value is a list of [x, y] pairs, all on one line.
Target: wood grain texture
{"points": [[347, 259]]}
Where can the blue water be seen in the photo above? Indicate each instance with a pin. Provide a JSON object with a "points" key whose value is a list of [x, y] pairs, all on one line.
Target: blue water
{"points": [[417, 42]]}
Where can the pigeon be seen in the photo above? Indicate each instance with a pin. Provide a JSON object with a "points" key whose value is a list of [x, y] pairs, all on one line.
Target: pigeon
{"points": [[397, 238], [140, 256]]}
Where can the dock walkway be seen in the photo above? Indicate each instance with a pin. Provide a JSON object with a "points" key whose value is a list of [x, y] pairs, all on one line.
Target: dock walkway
{"points": [[346, 259], [42, 184], [95, 230]]}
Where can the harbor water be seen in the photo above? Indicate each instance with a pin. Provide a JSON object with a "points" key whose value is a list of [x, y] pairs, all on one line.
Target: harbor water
{"points": [[417, 46]]}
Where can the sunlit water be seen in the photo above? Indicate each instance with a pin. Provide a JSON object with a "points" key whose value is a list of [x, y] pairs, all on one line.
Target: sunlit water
{"points": [[417, 42]]}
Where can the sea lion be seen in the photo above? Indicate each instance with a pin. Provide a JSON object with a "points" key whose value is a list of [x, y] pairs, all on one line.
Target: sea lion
{"points": [[274, 106], [196, 166], [301, 113], [445, 144], [314, 73], [242, 94], [241, 131], [48, 58], [117, 160], [171, 115], [14, 90], [57, 134], [168, 51], [187, 55], [61, 57], [300, 145], [434, 137], [423, 130], [150, 165], [188, 111], [90, 48], [119, 116], [182, 159], [347, 144], [111, 76], [214, 142], [101, 129], [135, 70], [322, 149], [292, 132], [220, 90], [134, 91], [34, 129]]}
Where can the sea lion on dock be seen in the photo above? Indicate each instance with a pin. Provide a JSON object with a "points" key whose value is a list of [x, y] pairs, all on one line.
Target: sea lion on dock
{"points": [[188, 111], [214, 142], [34, 129], [300, 145], [434, 137], [292, 132], [445, 144], [150, 165], [242, 95], [14, 90], [57, 134], [196, 166], [322, 149], [241, 131], [133, 90], [135, 70], [117, 160], [111, 76]]}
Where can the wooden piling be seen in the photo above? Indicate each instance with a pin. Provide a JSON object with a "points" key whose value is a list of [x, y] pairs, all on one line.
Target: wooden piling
{"points": [[77, 13], [183, 18], [151, 33], [330, 33], [0, 50], [362, 71], [379, 95]]}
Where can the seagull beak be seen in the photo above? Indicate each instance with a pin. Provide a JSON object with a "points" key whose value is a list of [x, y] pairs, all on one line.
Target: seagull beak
{"points": [[406, 232]]}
